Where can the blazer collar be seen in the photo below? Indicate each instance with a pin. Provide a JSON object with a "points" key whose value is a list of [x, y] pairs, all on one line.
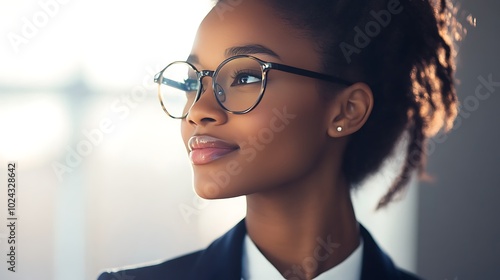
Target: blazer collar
{"points": [[222, 259], [376, 264]]}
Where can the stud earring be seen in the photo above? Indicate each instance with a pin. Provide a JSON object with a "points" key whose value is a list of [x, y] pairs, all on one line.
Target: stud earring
{"points": [[339, 129]]}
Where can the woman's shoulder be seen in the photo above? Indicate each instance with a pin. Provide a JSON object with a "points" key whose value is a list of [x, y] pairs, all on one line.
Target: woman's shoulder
{"points": [[177, 268], [220, 260]]}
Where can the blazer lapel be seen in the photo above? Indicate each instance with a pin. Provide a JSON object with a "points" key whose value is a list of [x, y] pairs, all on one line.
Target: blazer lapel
{"points": [[222, 259], [376, 264]]}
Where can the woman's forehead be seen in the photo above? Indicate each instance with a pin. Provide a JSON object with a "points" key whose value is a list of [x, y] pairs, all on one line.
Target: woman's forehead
{"points": [[252, 23]]}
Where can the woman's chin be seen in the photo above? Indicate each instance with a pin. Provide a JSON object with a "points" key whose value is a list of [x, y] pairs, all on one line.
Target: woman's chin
{"points": [[210, 190]]}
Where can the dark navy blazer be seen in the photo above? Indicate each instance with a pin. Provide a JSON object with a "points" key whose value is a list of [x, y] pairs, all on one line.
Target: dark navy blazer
{"points": [[222, 261]]}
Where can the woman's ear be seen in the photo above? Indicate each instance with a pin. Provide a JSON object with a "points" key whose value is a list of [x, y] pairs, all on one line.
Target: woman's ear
{"points": [[349, 110]]}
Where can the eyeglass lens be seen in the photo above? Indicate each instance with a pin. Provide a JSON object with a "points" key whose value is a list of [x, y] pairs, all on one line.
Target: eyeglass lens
{"points": [[237, 86]]}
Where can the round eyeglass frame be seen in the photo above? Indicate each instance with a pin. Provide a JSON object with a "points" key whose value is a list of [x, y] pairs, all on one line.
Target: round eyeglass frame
{"points": [[265, 67]]}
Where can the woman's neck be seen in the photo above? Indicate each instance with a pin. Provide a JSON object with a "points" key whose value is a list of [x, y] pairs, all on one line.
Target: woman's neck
{"points": [[293, 224]]}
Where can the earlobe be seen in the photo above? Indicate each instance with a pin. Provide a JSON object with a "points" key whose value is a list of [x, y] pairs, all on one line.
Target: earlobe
{"points": [[352, 108]]}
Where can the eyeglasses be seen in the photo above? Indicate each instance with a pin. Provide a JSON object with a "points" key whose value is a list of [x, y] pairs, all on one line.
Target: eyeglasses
{"points": [[238, 83]]}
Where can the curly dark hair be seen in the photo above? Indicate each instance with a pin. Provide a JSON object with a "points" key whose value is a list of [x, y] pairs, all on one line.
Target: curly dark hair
{"points": [[404, 50]]}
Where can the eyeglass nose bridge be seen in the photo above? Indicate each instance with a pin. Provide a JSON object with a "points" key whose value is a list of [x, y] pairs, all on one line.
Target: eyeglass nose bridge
{"points": [[202, 74], [217, 92], [205, 73]]}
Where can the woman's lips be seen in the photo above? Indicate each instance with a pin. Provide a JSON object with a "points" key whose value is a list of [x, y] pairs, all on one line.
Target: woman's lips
{"points": [[205, 149]]}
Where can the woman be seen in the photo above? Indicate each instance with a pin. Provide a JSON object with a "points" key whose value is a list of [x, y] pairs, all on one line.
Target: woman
{"points": [[293, 103]]}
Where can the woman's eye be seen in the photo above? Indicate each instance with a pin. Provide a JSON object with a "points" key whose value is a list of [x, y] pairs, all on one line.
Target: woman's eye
{"points": [[245, 79]]}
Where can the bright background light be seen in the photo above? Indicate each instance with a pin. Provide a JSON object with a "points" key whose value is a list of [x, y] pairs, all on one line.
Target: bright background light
{"points": [[33, 126], [129, 198], [109, 41]]}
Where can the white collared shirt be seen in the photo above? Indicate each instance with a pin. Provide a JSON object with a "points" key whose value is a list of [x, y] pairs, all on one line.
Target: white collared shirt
{"points": [[256, 267]]}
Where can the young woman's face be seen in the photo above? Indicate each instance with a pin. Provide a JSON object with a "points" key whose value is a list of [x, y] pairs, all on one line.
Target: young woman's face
{"points": [[281, 141]]}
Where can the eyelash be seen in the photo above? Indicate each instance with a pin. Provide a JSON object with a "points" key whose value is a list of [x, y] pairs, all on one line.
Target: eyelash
{"points": [[246, 72]]}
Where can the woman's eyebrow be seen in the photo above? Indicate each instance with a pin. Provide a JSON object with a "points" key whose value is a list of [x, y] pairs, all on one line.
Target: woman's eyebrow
{"points": [[250, 49], [239, 50]]}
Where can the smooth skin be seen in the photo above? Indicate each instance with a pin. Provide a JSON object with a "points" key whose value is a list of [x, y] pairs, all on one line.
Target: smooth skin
{"points": [[294, 185]]}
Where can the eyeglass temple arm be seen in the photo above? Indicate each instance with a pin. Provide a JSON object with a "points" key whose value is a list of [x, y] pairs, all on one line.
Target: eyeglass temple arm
{"points": [[187, 85], [307, 73]]}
